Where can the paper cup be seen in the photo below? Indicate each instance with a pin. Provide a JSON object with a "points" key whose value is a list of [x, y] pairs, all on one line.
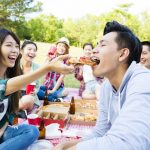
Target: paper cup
{"points": [[54, 126], [30, 88], [33, 119], [52, 50]]}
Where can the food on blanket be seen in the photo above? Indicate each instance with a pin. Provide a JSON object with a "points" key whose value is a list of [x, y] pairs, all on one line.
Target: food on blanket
{"points": [[47, 107], [56, 105], [59, 110], [51, 116], [80, 118], [90, 118], [55, 117], [40, 113], [79, 104], [47, 116], [82, 61], [56, 108], [84, 117], [77, 117], [44, 115]]}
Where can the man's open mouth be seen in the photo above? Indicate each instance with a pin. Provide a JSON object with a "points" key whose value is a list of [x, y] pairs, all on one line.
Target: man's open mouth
{"points": [[94, 59]]}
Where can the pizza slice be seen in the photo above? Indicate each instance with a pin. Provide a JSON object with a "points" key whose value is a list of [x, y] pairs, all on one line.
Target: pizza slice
{"points": [[82, 61]]}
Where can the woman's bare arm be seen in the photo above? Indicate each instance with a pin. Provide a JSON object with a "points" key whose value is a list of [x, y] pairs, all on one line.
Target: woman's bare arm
{"points": [[16, 83]]}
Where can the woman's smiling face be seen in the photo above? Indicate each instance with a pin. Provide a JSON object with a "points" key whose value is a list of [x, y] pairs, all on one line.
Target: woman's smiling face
{"points": [[61, 48], [10, 51], [29, 52]]}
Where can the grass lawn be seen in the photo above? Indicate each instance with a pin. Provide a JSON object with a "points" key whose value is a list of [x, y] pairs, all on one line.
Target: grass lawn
{"points": [[69, 80]]}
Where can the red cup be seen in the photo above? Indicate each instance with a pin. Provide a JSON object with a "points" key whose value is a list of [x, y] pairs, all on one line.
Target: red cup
{"points": [[30, 88], [52, 50], [33, 119]]}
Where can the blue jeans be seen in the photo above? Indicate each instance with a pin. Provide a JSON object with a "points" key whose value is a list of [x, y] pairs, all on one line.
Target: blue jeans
{"points": [[51, 97], [18, 137]]}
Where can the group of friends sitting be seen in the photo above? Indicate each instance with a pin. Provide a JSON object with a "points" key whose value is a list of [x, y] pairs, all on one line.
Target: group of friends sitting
{"points": [[124, 96], [53, 83], [89, 84]]}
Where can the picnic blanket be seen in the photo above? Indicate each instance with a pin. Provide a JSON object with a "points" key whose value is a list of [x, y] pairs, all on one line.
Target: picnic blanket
{"points": [[73, 92]]}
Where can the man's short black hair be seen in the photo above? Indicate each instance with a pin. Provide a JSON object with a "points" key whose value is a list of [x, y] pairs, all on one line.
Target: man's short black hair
{"points": [[146, 43], [125, 39]]}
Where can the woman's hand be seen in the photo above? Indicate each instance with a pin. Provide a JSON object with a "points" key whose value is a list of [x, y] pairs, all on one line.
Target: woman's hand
{"points": [[58, 65]]}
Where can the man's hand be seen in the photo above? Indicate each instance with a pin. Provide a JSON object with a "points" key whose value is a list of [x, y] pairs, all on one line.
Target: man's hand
{"points": [[71, 148], [71, 145]]}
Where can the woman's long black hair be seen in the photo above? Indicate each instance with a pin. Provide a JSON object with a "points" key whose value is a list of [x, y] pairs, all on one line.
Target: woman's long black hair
{"points": [[12, 72]]}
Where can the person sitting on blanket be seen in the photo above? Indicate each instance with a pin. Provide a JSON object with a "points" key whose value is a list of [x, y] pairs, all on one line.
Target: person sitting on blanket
{"points": [[19, 136], [54, 81], [89, 85], [28, 53]]}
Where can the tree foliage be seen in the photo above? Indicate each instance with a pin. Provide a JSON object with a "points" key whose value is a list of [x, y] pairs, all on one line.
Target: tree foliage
{"points": [[49, 28], [144, 29], [45, 28], [82, 30], [12, 12]]}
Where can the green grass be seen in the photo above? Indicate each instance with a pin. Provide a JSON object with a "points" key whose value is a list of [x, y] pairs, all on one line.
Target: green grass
{"points": [[69, 80]]}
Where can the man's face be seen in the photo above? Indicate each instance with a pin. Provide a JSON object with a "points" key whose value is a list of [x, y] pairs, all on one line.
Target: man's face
{"points": [[108, 54], [145, 56]]}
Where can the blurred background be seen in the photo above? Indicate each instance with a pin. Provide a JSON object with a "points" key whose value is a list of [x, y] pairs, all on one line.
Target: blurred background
{"points": [[45, 21]]}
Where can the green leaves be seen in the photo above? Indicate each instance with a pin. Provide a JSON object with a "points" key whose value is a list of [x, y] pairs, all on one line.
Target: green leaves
{"points": [[49, 28], [13, 11]]}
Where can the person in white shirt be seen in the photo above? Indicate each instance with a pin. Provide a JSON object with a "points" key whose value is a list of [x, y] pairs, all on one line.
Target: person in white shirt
{"points": [[92, 86]]}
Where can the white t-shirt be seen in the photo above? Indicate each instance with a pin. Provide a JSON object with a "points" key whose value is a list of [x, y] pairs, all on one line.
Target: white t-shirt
{"points": [[88, 74]]}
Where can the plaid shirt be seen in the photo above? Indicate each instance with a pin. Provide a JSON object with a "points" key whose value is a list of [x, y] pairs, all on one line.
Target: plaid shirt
{"points": [[79, 77], [51, 79]]}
